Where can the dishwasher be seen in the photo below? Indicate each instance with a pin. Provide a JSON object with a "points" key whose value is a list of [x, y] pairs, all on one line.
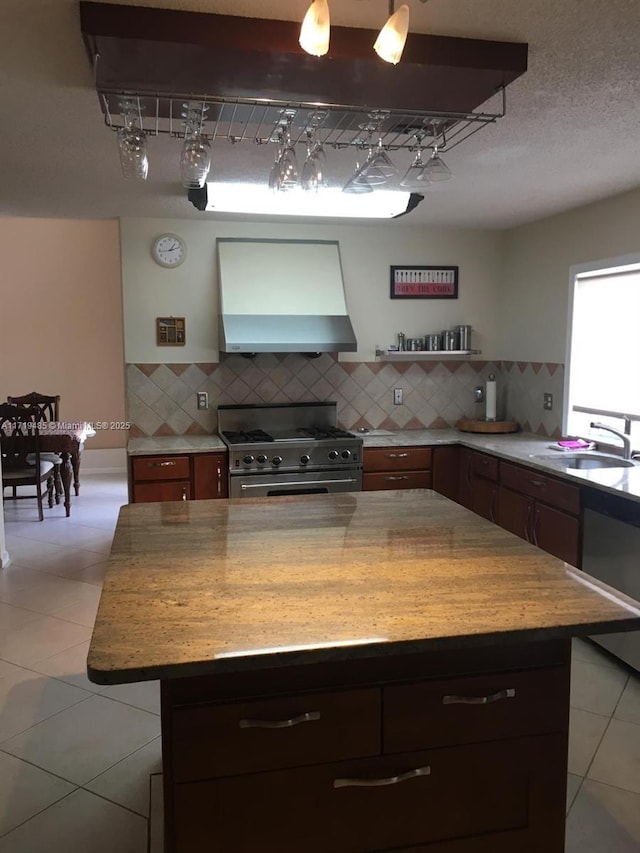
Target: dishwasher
{"points": [[611, 553]]}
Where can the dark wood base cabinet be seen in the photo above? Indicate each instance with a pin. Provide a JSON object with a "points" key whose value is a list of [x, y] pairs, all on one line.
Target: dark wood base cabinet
{"points": [[454, 752], [171, 477], [396, 468]]}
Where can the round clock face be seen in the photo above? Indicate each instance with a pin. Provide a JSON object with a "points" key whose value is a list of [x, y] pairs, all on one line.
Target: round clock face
{"points": [[168, 250]]}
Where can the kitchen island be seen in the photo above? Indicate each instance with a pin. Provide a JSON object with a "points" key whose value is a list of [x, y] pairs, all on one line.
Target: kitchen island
{"points": [[355, 672]]}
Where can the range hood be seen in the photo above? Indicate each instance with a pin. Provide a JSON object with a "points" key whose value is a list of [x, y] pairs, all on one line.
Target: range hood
{"points": [[282, 296]]}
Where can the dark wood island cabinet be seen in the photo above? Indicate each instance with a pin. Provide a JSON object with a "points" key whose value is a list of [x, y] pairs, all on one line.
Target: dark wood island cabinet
{"points": [[368, 671]]}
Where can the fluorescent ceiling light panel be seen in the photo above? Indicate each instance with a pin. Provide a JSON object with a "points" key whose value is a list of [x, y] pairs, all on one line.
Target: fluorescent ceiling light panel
{"points": [[328, 201]]}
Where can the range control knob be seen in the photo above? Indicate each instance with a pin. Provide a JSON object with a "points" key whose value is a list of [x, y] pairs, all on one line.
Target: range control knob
{"points": [[261, 459], [333, 454], [346, 454], [277, 460], [248, 460], [304, 460]]}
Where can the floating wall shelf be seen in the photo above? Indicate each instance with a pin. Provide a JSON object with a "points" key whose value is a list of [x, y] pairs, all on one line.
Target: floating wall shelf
{"points": [[421, 355]]}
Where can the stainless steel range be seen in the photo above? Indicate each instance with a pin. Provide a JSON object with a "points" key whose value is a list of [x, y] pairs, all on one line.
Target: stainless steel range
{"points": [[289, 449]]}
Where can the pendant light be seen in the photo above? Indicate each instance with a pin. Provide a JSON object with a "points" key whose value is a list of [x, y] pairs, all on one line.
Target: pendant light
{"points": [[314, 33], [392, 37]]}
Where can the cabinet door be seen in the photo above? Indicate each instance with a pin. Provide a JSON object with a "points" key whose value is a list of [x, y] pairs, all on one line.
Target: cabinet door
{"points": [[210, 476], [484, 497], [172, 490], [515, 513], [446, 471], [557, 533]]}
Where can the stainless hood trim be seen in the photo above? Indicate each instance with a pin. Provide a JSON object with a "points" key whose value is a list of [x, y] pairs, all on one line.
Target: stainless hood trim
{"points": [[242, 333]]}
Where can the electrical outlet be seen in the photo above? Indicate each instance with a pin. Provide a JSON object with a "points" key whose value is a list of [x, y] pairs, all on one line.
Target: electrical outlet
{"points": [[478, 393], [397, 396], [203, 399], [547, 401]]}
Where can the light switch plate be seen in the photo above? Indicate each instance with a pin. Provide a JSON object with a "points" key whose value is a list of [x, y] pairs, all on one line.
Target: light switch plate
{"points": [[397, 396]]}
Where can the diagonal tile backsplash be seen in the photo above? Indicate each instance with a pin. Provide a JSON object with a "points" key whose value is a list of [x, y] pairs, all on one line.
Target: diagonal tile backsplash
{"points": [[162, 397]]}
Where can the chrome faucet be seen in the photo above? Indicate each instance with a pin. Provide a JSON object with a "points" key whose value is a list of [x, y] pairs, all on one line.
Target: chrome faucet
{"points": [[626, 439]]}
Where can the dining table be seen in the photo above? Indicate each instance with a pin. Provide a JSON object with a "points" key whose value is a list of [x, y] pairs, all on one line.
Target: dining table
{"points": [[66, 440]]}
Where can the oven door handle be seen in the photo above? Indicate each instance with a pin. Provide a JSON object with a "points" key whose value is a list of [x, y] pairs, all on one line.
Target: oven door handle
{"points": [[288, 485]]}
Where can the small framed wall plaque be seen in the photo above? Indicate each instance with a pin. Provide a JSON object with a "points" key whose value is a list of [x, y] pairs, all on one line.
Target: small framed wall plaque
{"points": [[170, 331], [424, 282]]}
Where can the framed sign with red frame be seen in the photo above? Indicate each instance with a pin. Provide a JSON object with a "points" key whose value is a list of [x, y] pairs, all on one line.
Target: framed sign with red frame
{"points": [[424, 282]]}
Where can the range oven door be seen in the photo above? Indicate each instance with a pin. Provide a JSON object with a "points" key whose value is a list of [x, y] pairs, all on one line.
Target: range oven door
{"points": [[302, 483]]}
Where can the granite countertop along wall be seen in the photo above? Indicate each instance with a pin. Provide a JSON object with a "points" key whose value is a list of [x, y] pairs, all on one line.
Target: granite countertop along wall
{"points": [[174, 444], [524, 448], [199, 587]]}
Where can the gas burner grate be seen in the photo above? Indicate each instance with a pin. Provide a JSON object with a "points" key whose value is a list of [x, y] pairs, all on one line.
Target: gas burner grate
{"points": [[318, 433], [250, 437]]}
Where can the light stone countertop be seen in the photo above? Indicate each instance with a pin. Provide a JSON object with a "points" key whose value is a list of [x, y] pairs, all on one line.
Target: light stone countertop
{"points": [[200, 587], [521, 447], [151, 445]]}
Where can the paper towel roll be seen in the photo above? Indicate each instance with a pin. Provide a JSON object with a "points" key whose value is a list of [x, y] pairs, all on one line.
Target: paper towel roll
{"points": [[490, 397]]}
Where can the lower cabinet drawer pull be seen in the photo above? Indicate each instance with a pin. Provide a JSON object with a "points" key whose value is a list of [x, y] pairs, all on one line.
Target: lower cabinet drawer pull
{"points": [[396, 455], [403, 477], [509, 693], [375, 783], [539, 483], [280, 724], [168, 464]]}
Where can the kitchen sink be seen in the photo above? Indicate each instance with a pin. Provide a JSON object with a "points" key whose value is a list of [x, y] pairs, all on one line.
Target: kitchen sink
{"points": [[587, 460]]}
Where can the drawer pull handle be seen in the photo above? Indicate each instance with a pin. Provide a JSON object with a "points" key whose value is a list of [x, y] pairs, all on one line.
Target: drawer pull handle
{"points": [[509, 693], [280, 724], [539, 483], [169, 463], [375, 783], [396, 455], [392, 478]]}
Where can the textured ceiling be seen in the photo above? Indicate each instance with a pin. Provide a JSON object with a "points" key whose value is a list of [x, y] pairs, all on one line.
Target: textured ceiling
{"points": [[570, 135]]}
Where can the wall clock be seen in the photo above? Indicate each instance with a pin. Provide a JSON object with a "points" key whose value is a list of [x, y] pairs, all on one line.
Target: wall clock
{"points": [[168, 250]]}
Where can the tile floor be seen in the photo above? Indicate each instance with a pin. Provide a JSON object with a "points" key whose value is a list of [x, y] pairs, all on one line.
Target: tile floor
{"points": [[78, 761]]}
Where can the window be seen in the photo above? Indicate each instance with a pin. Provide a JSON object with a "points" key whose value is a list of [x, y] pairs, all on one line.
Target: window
{"points": [[603, 350]]}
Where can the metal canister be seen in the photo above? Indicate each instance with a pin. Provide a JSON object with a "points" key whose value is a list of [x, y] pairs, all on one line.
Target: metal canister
{"points": [[449, 340], [432, 342], [416, 344], [464, 337]]}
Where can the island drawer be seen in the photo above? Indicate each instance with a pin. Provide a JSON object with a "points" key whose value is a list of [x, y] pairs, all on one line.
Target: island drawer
{"points": [[378, 804], [554, 492], [396, 459], [160, 468], [475, 708], [404, 480], [245, 737]]}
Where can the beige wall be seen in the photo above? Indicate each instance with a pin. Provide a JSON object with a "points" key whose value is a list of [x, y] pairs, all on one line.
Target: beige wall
{"points": [[535, 287], [191, 290], [62, 318]]}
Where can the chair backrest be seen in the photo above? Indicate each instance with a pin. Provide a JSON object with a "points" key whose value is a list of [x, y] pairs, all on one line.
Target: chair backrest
{"points": [[19, 435], [49, 406]]}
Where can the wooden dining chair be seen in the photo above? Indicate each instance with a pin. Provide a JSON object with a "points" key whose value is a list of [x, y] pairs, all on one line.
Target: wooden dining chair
{"points": [[20, 448], [49, 409]]}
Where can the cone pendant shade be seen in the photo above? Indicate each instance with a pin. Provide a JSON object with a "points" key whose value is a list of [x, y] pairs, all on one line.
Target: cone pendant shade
{"points": [[314, 33], [392, 37]]}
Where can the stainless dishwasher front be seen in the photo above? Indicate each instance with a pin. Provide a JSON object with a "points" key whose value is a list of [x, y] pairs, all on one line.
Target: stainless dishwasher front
{"points": [[611, 553]]}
